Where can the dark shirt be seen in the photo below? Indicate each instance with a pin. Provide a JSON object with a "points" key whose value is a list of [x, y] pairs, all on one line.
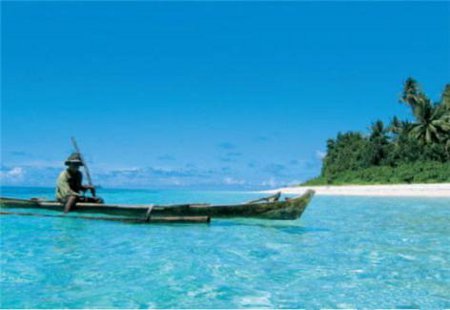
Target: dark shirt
{"points": [[68, 184]]}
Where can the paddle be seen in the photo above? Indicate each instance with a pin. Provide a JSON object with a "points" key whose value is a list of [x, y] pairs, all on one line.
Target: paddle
{"points": [[86, 169]]}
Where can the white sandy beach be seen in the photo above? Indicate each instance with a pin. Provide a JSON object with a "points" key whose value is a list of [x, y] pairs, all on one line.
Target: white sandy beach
{"points": [[400, 190]]}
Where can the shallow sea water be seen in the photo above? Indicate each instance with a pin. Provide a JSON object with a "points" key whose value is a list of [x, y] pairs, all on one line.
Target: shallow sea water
{"points": [[353, 252]]}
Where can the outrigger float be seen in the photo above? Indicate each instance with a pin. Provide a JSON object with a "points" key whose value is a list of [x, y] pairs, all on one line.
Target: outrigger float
{"points": [[265, 208]]}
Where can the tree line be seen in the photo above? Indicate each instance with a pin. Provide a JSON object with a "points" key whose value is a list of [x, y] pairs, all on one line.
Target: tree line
{"points": [[403, 151]]}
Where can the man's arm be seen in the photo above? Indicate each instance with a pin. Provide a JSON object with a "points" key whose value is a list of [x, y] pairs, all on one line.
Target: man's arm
{"points": [[84, 188], [88, 187]]}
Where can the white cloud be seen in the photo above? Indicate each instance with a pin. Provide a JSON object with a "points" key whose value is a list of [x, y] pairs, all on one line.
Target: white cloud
{"points": [[12, 175], [15, 172], [270, 182], [233, 181], [321, 154], [40, 174]]}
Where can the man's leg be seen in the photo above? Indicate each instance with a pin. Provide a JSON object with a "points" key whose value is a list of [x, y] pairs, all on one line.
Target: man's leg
{"points": [[70, 202]]}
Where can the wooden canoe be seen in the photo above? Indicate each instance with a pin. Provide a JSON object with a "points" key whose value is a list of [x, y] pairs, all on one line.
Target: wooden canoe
{"points": [[289, 209]]}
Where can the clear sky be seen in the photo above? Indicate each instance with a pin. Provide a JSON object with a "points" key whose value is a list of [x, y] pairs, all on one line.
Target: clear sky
{"points": [[205, 94]]}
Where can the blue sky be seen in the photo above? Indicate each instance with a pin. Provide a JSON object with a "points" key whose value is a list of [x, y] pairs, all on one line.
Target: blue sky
{"points": [[205, 94]]}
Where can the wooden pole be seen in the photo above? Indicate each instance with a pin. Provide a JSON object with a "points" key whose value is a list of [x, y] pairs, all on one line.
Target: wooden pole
{"points": [[151, 220], [86, 169]]}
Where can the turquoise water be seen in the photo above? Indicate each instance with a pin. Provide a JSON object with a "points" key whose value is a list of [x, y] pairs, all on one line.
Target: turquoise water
{"points": [[363, 252]]}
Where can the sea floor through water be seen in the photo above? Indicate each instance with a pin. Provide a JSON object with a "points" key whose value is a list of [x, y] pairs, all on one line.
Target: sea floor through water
{"points": [[345, 252]]}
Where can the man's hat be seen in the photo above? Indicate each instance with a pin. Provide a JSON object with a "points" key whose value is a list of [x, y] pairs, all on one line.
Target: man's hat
{"points": [[75, 158]]}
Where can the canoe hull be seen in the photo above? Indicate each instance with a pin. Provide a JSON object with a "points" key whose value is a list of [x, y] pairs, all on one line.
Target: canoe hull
{"points": [[281, 210]]}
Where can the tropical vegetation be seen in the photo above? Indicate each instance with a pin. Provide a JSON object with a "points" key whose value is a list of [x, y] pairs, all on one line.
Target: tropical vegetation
{"points": [[404, 151]]}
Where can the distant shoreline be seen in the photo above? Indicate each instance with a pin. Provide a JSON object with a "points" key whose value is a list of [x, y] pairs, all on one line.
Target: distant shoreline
{"points": [[397, 190]]}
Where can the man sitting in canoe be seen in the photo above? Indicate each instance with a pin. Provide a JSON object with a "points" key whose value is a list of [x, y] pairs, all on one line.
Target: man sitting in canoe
{"points": [[69, 184]]}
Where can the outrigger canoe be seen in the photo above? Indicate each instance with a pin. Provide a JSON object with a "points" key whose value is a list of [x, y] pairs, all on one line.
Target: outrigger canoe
{"points": [[266, 208]]}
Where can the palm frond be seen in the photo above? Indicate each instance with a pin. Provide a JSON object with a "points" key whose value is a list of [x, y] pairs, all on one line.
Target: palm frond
{"points": [[446, 97]]}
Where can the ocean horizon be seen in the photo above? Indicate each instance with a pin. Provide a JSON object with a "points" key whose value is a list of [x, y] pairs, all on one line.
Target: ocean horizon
{"points": [[140, 195]]}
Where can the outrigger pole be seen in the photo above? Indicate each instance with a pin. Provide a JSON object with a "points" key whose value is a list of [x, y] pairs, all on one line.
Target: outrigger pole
{"points": [[148, 220]]}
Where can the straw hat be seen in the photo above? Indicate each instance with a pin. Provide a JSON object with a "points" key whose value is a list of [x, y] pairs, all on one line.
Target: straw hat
{"points": [[74, 158]]}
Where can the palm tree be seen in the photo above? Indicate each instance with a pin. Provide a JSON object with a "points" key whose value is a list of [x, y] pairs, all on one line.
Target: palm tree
{"points": [[445, 101], [411, 92], [378, 131], [432, 123], [395, 126], [378, 140], [398, 127], [399, 131]]}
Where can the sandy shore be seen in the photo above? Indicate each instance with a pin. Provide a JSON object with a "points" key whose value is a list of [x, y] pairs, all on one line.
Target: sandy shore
{"points": [[400, 190]]}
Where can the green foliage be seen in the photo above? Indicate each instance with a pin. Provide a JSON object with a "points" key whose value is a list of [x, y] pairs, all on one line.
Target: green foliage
{"points": [[446, 97], [347, 152], [403, 152]]}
